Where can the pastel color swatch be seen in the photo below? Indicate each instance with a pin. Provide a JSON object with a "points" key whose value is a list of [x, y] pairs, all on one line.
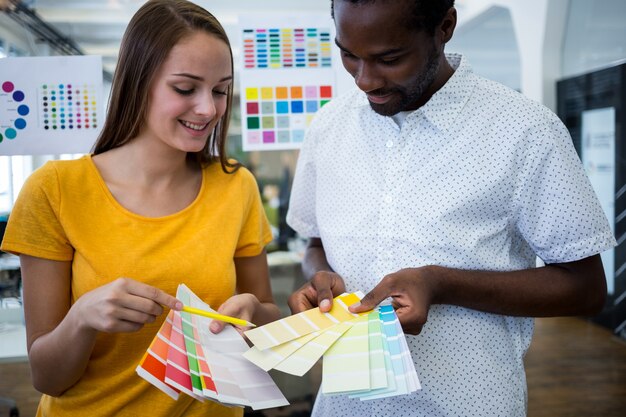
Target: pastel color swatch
{"points": [[365, 356], [301, 324], [304, 358], [346, 364], [187, 357]]}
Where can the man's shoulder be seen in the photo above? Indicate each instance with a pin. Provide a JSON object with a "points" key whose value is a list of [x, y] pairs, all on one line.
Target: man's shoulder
{"points": [[510, 102]]}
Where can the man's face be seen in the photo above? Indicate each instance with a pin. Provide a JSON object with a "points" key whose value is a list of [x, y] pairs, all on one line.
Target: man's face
{"points": [[395, 66]]}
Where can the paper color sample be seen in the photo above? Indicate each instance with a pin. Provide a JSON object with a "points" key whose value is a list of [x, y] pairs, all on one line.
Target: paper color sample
{"points": [[346, 364], [404, 378], [302, 360], [364, 357], [177, 372], [186, 356], [242, 380], [301, 324], [267, 359], [153, 364], [380, 373]]}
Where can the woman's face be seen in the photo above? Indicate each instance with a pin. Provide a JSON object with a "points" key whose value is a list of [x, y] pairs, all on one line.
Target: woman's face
{"points": [[188, 94]]}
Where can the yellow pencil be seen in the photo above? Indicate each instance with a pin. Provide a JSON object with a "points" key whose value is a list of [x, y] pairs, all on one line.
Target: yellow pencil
{"points": [[217, 316]]}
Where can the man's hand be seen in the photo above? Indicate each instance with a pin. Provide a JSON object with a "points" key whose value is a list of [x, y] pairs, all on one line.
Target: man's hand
{"points": [[412, 291], [319, 291]]}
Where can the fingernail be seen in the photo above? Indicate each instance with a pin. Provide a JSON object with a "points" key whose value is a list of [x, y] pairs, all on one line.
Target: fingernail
{"points": [[178, 306], [355, 305], [325, 304]]}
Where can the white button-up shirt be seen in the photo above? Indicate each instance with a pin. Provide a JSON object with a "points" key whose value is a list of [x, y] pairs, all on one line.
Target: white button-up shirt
{"points": [[479, 178]]}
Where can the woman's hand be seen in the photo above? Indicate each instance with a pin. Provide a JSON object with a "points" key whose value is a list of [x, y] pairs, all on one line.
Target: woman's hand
{"points": [[123, 305], [242, 306]]}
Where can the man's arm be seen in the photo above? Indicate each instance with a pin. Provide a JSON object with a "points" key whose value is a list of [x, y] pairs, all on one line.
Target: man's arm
{"points": [[564, 289], [323, 283]]}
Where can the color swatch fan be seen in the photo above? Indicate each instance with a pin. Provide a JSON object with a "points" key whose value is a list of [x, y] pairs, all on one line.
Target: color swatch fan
{"points": [[185, 356], [364, 356]]}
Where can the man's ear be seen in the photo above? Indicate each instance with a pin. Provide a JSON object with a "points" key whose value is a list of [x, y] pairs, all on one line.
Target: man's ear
{"points": [[447, 26]]}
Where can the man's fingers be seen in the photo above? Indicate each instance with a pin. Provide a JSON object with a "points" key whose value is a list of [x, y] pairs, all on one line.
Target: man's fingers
{"points": [[300, 301], [324, 299], [371, 299]]}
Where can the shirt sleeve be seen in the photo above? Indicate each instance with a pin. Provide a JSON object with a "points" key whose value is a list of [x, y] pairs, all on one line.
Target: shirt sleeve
{"points": [[255, 232], [302, 202], [34, 227], [559, 214]]}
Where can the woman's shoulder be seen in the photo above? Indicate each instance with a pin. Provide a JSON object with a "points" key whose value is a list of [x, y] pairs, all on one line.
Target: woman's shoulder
{"points": [[236, 172], [56, 171], [241, 180]]}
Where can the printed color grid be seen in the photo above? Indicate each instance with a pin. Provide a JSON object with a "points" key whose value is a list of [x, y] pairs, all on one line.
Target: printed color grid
{"points": [[286, 48], [281, 114], [68, 106]]}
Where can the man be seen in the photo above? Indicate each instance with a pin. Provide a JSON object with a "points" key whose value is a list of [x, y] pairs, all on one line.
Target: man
{"points": [[438, 188]]}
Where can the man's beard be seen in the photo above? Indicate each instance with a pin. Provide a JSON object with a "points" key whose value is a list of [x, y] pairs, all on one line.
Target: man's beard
{"points": [[409, 96]]}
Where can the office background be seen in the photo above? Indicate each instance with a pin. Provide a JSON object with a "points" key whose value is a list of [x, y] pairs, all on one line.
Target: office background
{"points": [[566, 54]]}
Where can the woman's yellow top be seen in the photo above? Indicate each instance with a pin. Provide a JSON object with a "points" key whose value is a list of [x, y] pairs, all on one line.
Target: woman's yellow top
{"points": [[65, 212]]}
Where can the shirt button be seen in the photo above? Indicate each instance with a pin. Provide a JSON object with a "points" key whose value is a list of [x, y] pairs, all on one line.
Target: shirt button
{"points": [[388, 199], [389, 143]]}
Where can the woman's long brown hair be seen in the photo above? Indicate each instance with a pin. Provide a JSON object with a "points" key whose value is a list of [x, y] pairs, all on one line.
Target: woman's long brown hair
{"points": [[152, 32]]}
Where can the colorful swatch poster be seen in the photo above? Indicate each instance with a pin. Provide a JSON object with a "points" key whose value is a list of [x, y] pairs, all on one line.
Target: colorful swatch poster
{"points": [[277, 116], [287, 74], [52, 111], [287, 47]]}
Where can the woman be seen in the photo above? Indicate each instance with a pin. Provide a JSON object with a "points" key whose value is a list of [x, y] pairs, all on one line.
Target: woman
{"points": [[104, 240]]}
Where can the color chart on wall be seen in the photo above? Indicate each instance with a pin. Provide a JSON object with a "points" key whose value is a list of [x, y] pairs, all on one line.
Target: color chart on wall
{"points": [[286, 76], [286, 47], [68, 107], [279, 115], [55, 110]]}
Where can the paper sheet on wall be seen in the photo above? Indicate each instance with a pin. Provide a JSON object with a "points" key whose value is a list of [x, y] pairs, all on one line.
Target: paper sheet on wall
{"points": [[50, 105], [287, 74]]}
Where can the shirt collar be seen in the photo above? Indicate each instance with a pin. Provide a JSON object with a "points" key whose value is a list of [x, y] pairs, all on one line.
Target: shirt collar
{"points": [[444, 106]]}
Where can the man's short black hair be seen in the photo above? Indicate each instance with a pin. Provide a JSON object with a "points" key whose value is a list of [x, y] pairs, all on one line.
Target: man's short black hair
{"points": [[426, 14]]}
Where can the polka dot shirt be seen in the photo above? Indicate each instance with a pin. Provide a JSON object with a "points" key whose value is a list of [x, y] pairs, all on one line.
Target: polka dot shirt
{"points": [[479, 178]]}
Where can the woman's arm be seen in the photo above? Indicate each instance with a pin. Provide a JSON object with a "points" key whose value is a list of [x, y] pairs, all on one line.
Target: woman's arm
{"points": [[61, 333]]}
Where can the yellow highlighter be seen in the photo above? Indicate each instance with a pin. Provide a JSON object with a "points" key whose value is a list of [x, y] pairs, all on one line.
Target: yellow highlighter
{"points": [[217, 316]]}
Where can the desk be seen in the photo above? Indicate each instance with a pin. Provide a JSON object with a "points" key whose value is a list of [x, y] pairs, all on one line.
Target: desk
{"points": [[9, 262], [10, 278], [12, 335]]}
